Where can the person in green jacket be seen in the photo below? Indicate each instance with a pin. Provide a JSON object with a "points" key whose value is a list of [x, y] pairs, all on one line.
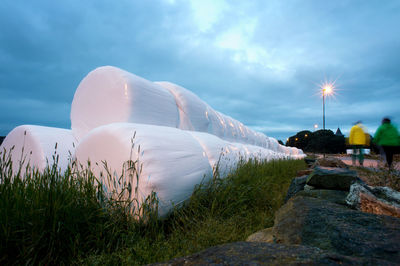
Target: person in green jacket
{"points": [[387, 136]]}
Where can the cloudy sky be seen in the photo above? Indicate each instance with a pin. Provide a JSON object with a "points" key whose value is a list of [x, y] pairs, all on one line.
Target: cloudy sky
{"points": [[260, 62]]}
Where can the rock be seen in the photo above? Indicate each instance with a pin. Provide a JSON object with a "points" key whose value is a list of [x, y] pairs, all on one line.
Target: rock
{"points": [[252, 253], [335, 196], [296, 186], [330, 162], [264, 235], [332, 178], [338, 229], [1, 139], [308, 188], [310, 161], [376, 200]]}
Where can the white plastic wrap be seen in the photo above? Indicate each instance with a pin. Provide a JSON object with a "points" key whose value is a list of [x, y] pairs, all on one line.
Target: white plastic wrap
{"points": [[109, 95], [192, 110], [196, 115], [36, 145], [230, 133], [172, 162], [220, 154], [217, 123]]}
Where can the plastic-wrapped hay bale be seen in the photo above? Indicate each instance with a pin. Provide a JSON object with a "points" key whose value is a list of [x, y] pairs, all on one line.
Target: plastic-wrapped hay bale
{"points": [[228, 154], [248, 152], [192, 110], [109, 95], [296, 153], [274, 145], [268, 144], [229, 125], [243, 132], [196, 115], [219, 152], [36, 146], [260, 139], [217, 123], [170, 161]]}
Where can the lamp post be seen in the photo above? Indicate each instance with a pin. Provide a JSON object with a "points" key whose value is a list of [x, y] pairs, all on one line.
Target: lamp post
{"points": [[323, 108], [326, 90]]}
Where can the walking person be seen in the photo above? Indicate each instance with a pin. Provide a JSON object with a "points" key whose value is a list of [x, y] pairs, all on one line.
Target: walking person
{"points": [[358, 140], [388, 138]]}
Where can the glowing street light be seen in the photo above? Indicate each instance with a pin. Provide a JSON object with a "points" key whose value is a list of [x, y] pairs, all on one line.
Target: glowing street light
{"points": [[315, 127], [327, 89]]}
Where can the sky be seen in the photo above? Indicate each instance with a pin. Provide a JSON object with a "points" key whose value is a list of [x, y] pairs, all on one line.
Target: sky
{"points": [[261, 62]]}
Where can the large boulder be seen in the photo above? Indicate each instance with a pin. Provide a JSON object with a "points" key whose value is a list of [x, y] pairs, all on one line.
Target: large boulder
{"points": [[336, 228], [377, 200], [332, 178], [253, 253]]}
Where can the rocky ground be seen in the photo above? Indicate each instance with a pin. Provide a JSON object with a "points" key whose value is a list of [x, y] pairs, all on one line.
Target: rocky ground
{"points": [[331, 216]]}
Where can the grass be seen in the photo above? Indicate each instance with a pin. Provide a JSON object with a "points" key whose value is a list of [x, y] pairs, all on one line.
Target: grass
{"points": [[65, 218]]}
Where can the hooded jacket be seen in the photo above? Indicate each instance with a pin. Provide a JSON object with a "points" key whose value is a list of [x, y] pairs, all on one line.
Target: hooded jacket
{"points": [[387, 135], [357, 135]]}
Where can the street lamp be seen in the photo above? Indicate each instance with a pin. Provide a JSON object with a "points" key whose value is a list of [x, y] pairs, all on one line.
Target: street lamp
{"points": [[326, 90]]}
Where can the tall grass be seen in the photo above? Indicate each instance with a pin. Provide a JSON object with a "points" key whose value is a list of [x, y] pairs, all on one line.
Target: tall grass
{"points": [[65, 218], [52, 217]]}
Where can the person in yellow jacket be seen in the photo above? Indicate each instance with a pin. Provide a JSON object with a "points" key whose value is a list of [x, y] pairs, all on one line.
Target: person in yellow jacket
{"points": [[358, 139]]}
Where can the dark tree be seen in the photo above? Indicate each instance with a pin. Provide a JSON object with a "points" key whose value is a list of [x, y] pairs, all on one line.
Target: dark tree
{"points": [[321, 141], [300, 140]]}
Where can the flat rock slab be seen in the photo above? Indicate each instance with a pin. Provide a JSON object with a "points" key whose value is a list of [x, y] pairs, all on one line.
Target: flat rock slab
{"points": [[330, 162], [338, 229], [332, 178], [250, 253], [335, 196]]}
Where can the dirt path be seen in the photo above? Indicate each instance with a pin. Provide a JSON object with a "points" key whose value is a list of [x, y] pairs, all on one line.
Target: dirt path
{"points": [[372, 163]]}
